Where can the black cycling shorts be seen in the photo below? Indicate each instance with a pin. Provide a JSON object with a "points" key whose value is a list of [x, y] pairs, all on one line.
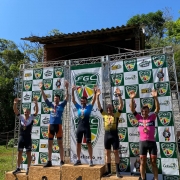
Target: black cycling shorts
{"points": [[83, 130], [148, 146], [24, 142], [111, 139]]}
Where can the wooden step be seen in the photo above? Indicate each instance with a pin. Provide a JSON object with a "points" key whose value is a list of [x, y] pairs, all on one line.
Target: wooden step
{"points": [[84, 172], [38, 171], [20, 176], [125, 177]]}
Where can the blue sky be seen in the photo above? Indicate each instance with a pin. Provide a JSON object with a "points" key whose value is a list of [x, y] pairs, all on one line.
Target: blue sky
{"points": [[21, 18]]}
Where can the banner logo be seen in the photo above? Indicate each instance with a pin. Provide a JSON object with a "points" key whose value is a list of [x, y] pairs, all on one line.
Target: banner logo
{"points": [[26, 106], [165, 118], [38, 73], [44, 132], [168, 149], [48, 73], [24, 157], [131, 88], [33, 158], [27, 74], [123, 164], [35, 144], [148, 102], [27, 85], [150, 166], [95, 126], [85, 83], [135, 148], [47, 83], [137, 165], [162, 88], [122, 133], [145, 76], [46, 120], [133, 77], [115, 67], [43, 158], [117, 79], [122, 149], [166, 134], [160, 74], [133, 121], [59, 72], [58, 84], [36, 120], [130, 64], [45, 108], [170, 177], [170, 166], [146, 90], [165, 103], [144, 63], [159, 60], [55, 147], [27, 97], [36, 95]]}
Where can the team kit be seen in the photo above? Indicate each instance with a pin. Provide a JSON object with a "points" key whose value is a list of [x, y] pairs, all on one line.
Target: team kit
{"points": [[111, 114]]}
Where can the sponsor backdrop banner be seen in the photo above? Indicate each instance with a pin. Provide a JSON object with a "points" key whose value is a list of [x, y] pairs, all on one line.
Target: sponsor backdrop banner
{"points": [[85, 77], [142, 75], [53, 80]]}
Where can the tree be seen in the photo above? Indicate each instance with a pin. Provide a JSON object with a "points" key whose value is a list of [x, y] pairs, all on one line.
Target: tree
{"points": [[154, 24]]}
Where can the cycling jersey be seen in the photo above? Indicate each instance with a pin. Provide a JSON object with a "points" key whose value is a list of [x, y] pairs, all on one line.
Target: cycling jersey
{"points": [[56, 111], [146, 127]]}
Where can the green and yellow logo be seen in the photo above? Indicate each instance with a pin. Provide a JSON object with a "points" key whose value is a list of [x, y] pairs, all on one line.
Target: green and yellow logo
{"points": [[162, 88], [116, 79], [55, 147], [45, 108], [95, 126], [130, 64], [43, 158], [133, 121], [59, 92], [145, 76], [37, 120], [44, 132], [158, 60], [26, 106], [131, 88], [38, 73], [165, 118], [149, 166], [148, 102], [35, 145], [134, 147], [59, 72], [122, 133], [47, 84], [85, 83], [36, 95], [124, 164], [27, 85], [24, 158], [27, 74], [168, 149]]}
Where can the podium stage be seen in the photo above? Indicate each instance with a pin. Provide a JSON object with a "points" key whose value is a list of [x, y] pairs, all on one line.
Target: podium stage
{"points": [[66, 172]]}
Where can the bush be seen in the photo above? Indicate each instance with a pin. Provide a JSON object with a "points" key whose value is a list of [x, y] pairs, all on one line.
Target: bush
{"points": [[11, 143]]}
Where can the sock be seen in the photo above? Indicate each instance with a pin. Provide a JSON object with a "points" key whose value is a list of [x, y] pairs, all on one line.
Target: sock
{"points": [[109, 167], [117, 167]]}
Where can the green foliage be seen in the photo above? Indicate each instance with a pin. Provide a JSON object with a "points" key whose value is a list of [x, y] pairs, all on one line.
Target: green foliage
{"points": [[11, 143], [54, 32]]}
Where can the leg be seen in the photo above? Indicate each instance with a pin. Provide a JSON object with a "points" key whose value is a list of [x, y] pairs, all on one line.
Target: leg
{"points": [[79, 136], [61, 150], [90, 150], [108, 156], [50, 144], [143, 160], [51, 133], [154, 167], [28, 158], [19, 160], [78, 148]]}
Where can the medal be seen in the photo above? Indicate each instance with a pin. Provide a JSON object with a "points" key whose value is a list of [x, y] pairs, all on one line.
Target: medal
{"points": [[24, 128], [110, 121], [82, 113], [145, 130]]}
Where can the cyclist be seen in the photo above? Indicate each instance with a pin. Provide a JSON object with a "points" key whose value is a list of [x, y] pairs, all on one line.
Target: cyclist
{"points": [[147, 131], [111, 131]]}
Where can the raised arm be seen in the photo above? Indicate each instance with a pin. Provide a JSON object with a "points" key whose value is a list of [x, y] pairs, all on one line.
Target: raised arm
{"points": [[132, 104], [15, 106], [118, 92], [154, 94], [42, 92], [66, 84], [36, 106], [94, 97], [97, 99], [73, 98]]}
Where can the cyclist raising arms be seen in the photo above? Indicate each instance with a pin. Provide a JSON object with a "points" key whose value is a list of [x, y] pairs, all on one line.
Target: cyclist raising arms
{"points": [[111, 131], [147, 131], [83, 127]]}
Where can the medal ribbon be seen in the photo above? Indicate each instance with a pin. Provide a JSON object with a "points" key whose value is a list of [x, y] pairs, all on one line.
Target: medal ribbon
{"points": [[82, 113], [110, 119], [55, 108]]}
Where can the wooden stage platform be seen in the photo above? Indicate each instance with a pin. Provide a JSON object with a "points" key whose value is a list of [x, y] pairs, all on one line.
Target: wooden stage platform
{"points": [[66, 172]]}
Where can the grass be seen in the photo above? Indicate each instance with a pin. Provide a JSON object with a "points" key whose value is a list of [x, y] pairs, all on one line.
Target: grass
{"points": [[5, 160]]}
